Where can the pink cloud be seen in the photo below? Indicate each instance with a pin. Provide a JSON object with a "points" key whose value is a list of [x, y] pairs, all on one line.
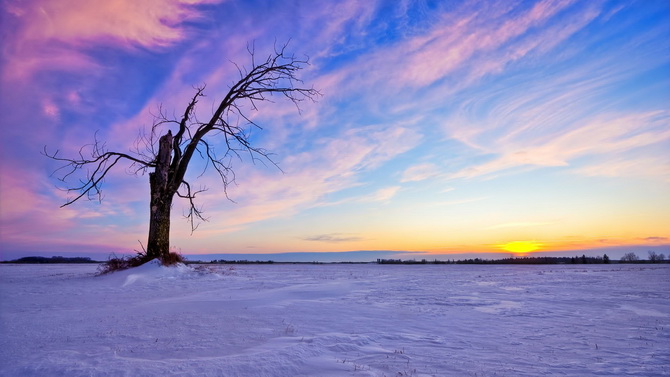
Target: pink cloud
{"points": [[28, 215], [48, 34], [657, 165], [602, 136], [309, 177], [28, 58], [656, 239], [462, 36], [337, 21], [50, 109], [419, 172], [32, 221], [383, 195], [149, 23], [541, 41]]}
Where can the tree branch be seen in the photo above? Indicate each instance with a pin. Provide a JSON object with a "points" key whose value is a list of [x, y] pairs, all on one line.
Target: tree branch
{"points": [[99, 165], [193, 212], [276, 75], [229, 126]]}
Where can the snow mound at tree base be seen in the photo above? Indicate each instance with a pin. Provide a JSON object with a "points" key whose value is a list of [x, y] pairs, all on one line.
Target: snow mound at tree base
{"points": [[154, 271]]}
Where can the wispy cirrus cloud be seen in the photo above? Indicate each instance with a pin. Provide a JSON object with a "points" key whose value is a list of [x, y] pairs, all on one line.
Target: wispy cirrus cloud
{"points": [[57, 59], [526, 224], [147, 23], [54, 35], [598, 137], [448, 49], [333, 238], [469, 41], [383, 195], [334, 165], [653, 164], [32, 218], [656, 239], [574, 113], [470, 44], [419, 172]]}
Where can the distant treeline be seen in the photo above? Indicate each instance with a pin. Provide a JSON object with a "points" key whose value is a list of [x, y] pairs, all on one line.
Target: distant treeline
{"points": [[41, 260], [242, 261], [520, 260]]}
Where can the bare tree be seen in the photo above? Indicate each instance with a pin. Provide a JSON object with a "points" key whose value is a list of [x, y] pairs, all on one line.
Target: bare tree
{"points": [[629, 257], [655, 257], [168, 156]]}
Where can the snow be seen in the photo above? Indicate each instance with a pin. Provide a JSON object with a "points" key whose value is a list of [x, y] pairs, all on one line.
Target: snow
{"points": [[335, 320]]}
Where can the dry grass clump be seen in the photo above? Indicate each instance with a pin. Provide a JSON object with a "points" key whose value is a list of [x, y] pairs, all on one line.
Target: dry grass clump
{"points": [[172, 258]]}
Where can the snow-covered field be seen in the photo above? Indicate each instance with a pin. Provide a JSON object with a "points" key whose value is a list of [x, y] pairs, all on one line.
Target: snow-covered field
{"points": [[336, 320]]}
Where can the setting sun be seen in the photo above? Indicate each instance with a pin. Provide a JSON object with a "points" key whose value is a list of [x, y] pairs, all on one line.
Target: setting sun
{"points": [[521, 247]]}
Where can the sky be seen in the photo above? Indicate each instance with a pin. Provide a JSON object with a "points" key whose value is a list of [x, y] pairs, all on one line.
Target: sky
{"points": [[444, 127]]}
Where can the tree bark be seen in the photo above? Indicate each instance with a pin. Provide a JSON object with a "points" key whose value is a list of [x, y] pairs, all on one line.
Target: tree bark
{"points": [[158, 245]]}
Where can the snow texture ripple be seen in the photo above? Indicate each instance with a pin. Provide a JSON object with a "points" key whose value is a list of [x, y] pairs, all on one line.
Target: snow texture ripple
{"points": [[335, 320]]}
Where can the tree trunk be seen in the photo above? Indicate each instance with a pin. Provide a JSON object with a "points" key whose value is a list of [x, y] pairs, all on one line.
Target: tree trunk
{"points": [[158, 245]]}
